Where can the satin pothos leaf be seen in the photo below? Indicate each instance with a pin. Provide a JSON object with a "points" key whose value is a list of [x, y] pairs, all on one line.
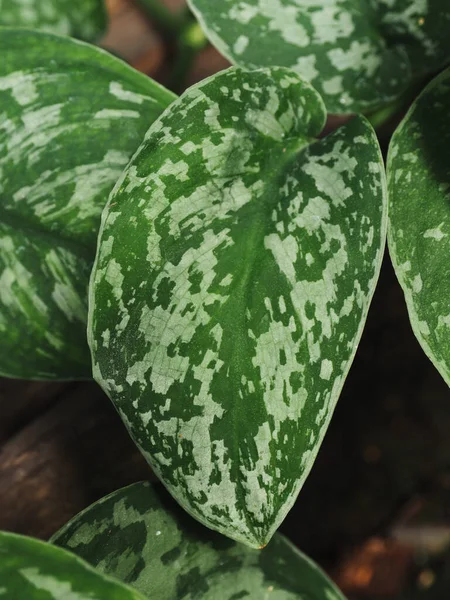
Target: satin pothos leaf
{"points": [[140, 536], [33, 570], [71, 118], [238, 256], [84, 19], [419, 224], [359, 55]]}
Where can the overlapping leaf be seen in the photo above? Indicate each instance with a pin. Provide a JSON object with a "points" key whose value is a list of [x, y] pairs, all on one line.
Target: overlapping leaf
{"points": [[84, 19], [71, 116], [137, 534], [358, 54], [237, 260], [33, 570], [419, 232]]}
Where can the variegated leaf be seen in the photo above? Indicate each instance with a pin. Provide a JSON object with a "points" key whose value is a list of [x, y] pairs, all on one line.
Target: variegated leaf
{"points": [[358, 54], [138, 535], [84, 19], [419, 231], [238, 256], [33, 570], [71, 116]]}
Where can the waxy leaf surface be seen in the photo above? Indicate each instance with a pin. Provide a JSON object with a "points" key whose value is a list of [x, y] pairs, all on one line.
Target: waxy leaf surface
{"points": [[84, 19], [140, 536], [359, 54], [419, 230], [71, 117], [237, 260], [34, 570]]}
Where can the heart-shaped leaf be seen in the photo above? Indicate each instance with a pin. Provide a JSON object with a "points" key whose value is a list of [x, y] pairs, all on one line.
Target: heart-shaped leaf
{"points": [[137, 534], [358, 55], [84, 19], [33, 570], [419, 230], [237, 260], [71, 118]]}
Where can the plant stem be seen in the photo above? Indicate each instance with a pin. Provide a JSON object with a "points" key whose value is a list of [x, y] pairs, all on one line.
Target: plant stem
{"points": [[382, 116], [184, 35], [167, 21], [191, 41]]}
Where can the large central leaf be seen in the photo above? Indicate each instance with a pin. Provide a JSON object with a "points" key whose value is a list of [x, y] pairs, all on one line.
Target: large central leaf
{"points": [[137, 535], [237, 260], [84, 19], [71, 117], [359, 54]]}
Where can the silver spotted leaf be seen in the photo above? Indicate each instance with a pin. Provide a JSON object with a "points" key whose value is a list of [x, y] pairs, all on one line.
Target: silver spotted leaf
{"points": [[33, 570], [71, 117], [140, 536], [419, 223], [238, 256], [358, 54], [84, 19]]}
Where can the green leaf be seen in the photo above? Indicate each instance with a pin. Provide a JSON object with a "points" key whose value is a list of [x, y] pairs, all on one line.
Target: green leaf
{"points": [[84, 19], [419, 230], [138, 535], [33, 570], [358, 55], [71, 118], [238, 256]]}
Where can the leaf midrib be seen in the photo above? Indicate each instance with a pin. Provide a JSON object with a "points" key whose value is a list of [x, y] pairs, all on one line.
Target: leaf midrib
{"points": [[243, 286]]}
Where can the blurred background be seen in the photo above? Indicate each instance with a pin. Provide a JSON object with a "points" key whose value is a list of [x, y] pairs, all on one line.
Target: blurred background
{"points": [[375, 511]]}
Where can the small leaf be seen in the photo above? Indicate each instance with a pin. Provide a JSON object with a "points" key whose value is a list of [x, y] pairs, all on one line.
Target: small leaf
{"points": [[138, 535], [358, 55], [72, 116], [237, 260], [419, 223], [84, 19], [33, 570]]}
